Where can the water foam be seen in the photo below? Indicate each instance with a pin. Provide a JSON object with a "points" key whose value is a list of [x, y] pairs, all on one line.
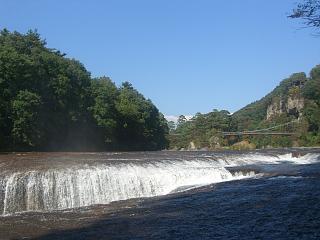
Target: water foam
{"points": [[250, 159], [71, 188], [78, 186]]}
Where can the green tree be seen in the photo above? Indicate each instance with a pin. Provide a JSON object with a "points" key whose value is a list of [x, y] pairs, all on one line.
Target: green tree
{"points": [[26, 120], [202, 129], [181, 120], [171, 126], [50, 102], [140, 124], [311, 89], [105, 95]]}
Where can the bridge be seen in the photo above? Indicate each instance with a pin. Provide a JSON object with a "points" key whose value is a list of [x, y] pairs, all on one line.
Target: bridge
{"points": [[256, 133], [285, 129]]}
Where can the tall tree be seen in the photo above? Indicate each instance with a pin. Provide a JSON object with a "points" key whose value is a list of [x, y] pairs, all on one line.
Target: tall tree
{"points": [[105, 95], [27, 130], [181, 120], [50, 102], [171, 126], [140, 124]]}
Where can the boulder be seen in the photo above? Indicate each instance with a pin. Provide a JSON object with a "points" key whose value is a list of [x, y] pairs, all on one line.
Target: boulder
{"points": [[243, 145]]}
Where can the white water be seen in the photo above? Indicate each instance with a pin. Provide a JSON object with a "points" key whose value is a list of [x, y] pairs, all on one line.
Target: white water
{"points": [[52, 189], [250, 159]]}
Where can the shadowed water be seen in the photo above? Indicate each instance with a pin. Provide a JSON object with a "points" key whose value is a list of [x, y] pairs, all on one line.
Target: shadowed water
{"points": [[257, 195]]}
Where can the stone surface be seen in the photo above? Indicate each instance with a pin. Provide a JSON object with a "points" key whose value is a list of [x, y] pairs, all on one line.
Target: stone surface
{"points": [[295, 106], [243, 145], [192, 146], [276, 108], [292, 106]]}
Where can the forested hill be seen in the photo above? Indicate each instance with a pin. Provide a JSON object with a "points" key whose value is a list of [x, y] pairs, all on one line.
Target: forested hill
{"points": [[50, 102], [296, 98], [253, 115]]}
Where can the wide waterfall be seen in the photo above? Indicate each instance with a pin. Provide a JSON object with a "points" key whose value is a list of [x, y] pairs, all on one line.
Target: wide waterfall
{"points": [[84, 184]]}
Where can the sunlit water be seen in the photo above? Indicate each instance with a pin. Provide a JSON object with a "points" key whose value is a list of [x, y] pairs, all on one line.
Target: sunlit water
{"points": [[203, 185]]}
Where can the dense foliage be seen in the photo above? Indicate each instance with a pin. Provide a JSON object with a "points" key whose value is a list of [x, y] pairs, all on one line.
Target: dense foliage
{"points": [[253, 115], [205, 130], [311, 92], [50, 102]]}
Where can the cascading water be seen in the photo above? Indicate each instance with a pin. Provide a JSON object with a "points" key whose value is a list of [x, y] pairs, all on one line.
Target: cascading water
{"points": [[101, 184], [85, 184]]}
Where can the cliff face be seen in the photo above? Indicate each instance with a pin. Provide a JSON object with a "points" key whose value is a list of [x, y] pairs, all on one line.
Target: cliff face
{"points": [[276, 108], [292, 105], [290, 101], [285, 99], [295, 106]]}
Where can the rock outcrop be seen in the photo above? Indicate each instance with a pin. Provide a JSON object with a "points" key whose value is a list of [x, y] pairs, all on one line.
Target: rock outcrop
{"points": [[290, 102], [243, 145], [192, 146], [295, 105], [276, 108], [292, 106]]}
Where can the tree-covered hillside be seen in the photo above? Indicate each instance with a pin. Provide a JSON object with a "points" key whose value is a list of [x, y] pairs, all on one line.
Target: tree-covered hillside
{"points": [[252, 116], [296, 98], [50, 102]]}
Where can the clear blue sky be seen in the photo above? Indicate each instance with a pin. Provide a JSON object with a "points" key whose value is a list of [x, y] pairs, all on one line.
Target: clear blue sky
{"points": [[187, 56]]}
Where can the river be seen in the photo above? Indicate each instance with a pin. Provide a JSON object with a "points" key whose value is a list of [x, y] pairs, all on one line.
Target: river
{"points": [[267, 194]]}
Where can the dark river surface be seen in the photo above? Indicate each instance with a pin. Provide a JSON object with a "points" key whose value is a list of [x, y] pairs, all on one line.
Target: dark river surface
{"points": [[269, 194]]}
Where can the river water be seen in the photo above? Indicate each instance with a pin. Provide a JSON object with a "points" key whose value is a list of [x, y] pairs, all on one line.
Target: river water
{"points": [[270, 194]]}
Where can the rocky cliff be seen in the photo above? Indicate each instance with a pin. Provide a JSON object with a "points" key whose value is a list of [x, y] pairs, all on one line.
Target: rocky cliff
{"points": [[292, 105], [286, 99]]}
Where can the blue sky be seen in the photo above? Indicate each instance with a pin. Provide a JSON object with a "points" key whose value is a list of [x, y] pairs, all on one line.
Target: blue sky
{"points": [[187, 56]]}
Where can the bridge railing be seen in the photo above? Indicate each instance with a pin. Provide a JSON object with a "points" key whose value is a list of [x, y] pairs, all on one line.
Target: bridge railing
{"points": [[267, 131]]}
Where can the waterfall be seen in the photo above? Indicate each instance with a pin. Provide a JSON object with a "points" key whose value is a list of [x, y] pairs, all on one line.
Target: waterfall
{"points": [[53, 189], [85, 182]]}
